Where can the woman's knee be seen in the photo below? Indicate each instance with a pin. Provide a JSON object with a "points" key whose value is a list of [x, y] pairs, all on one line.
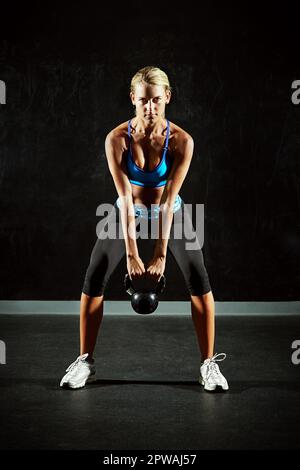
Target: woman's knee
{"points": [[94, 281], [87, 297], [197, 280], [199, 289]]}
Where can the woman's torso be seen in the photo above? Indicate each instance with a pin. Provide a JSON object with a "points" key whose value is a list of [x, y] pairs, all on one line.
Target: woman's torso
{"points": [[146, 152]]}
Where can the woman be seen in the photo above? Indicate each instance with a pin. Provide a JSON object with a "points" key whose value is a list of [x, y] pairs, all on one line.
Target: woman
{"points": [[148, 186]]}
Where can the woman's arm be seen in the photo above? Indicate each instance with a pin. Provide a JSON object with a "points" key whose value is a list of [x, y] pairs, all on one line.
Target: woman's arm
{"points": [[183, 154], [114, 151]]}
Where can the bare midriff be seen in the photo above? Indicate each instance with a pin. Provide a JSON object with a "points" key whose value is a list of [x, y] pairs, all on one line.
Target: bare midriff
{"points": [[146, 196]]}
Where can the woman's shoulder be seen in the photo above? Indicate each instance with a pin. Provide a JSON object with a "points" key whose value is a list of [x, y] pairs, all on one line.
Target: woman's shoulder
{"points": [[178, 131], [120, 133], [120, 129], [178, 137]]}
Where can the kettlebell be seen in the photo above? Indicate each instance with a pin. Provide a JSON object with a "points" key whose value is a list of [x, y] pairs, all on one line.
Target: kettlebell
{"points": [[144, 301]]}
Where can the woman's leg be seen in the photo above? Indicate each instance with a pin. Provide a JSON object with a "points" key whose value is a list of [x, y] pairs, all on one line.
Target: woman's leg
{"points": [[203, 315], [191, 263], [91, 314], [105, 257]]}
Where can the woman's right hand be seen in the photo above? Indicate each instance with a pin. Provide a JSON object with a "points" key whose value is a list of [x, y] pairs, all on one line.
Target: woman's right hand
{"points": [[135, 267]]}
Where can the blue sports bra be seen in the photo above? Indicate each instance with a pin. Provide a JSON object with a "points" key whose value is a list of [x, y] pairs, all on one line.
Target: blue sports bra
{"points": [[156, 177]]}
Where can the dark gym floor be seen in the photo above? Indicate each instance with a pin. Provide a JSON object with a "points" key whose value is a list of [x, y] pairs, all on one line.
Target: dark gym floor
{"points": [[147, 395]]}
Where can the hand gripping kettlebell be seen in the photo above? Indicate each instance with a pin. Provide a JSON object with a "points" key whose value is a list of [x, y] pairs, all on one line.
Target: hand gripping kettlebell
{"points": [[144, 301]]}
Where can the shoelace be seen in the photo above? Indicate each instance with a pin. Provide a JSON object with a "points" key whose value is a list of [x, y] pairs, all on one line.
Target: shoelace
{"points": [[79, 358], [212, 366]]}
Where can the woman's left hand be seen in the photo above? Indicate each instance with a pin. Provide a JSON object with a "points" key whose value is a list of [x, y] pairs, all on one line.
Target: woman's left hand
{"points": [[156, 267]]}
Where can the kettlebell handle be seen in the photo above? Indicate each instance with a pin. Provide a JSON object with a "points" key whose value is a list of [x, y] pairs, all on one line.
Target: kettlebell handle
{"points": [[130, 289]]}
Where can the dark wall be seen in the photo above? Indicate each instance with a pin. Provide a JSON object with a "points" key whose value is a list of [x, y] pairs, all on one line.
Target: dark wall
{"points": [[231, 72]]}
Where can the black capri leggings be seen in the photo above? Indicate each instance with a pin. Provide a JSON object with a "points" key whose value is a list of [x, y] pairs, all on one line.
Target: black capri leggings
{"points": [[108, 253]]}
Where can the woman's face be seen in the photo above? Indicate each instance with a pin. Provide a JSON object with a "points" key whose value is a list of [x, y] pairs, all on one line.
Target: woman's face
{"points": [[150, 101]]}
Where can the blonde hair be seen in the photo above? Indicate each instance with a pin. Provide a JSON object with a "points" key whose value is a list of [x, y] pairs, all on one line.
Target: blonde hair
{"points": [[152, 76]]}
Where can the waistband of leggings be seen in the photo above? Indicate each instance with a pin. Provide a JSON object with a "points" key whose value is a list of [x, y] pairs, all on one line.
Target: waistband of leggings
{"points": [[152, 212]]}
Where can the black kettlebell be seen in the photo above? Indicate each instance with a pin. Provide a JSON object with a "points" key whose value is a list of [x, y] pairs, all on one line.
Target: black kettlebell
{"points": [[144, 301]]}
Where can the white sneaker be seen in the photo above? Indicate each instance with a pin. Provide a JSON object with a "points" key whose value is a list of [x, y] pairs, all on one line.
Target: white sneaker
{"points": [[79, 373], [210, 375]]}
